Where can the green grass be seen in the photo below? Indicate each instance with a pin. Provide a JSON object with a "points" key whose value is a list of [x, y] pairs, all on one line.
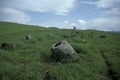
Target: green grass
{"points": [[98, 54]]}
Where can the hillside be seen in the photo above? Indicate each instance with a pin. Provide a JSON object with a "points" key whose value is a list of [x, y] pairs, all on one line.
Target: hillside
{"points": [[98, 54]]}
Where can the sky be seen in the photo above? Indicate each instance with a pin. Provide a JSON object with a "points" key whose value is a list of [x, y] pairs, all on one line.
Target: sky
{"points": [[84, 14]]}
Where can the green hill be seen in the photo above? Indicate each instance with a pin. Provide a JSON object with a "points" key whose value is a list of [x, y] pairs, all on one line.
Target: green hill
{"points": [[98, 54]]}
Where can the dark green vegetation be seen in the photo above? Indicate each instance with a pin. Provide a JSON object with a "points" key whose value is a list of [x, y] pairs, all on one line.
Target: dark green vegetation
{"points": [[98, 54]]}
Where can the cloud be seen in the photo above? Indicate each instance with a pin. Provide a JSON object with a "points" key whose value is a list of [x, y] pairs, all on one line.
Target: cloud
{"points": [[110, 7], [88, 2], [107, 24], [13, 15], [104, 24], [66, 21], [104, 3], [73, 24], [82, 22], [109, 20], [58, 7], [107, 3], [112, 12]]}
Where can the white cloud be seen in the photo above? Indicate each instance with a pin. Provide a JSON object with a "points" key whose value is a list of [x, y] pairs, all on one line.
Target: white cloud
{"points": [[107, 3], [58, 7], [66, 21], [73, 24], [112, 12], [104, 3], [88, 2], [13, 15], [105, 24], [82, 22], [108, 23], [109, 6], [110, 18]]}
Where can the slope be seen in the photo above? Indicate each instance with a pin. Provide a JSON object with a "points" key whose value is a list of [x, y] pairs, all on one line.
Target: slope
{"points": [[98, 54]]}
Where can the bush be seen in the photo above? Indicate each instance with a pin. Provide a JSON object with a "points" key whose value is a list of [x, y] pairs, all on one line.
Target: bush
{"points": [[103, 36]]}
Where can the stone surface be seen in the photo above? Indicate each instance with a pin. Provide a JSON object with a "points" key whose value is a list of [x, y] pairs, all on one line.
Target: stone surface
{"points": [[29, 37], [6, 45], [63, 50], [74, 27]]}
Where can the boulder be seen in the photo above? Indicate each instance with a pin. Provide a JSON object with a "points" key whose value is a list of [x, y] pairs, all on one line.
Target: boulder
{"points": [[29, 37], [62, 50], [6, 45], [74, 27]]}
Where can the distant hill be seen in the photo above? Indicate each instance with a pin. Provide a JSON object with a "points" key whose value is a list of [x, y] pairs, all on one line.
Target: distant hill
{"points": [[98, 54]]}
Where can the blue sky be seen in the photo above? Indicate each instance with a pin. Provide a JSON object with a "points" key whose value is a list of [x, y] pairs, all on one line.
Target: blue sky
{"points": [[84, 14]]}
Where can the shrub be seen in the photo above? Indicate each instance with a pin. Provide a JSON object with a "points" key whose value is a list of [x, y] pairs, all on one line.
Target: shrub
{"points": [[103, 36]]}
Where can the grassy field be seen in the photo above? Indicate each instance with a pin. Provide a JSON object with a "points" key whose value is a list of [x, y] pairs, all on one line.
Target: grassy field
{"points": [[98, 54]]}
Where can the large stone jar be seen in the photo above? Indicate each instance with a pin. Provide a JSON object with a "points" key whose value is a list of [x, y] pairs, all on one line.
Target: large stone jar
{"points": [[62, 51]]}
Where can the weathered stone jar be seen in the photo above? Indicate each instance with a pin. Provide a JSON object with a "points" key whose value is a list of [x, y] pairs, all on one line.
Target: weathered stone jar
{"points": [[62, 51]]}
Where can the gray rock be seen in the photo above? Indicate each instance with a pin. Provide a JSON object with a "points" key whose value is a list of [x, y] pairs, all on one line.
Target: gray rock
{"points": [[29, 37], [63, 50], [59, 63], [6, 45], [74, 27]]}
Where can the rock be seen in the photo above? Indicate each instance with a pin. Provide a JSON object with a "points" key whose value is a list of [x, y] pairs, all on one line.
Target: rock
{"points": [[63, 50], [6, 45], [29, 37], [74, 27], [59, 63]]}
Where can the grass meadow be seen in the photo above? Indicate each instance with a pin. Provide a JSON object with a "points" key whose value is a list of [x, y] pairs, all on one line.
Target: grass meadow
{"points": [[98, 54]]}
